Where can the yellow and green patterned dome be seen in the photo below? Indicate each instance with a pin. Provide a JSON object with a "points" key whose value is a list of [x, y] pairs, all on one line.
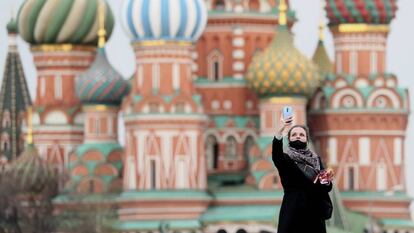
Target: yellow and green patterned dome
{"points": [[281, 69], [62, 21]]}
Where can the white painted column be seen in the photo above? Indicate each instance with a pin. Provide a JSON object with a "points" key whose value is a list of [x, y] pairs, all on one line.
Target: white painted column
{"points": [[238, 53]]}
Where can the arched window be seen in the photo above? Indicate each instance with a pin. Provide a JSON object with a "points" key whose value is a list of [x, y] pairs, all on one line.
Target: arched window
{"points": [[241, 231], [154, 107], [263, 231], [219, 5], [351, 178], [58, 87], [248, 143], [212, 152], [91, 188], [323, 103], [180, 107], [153, 174], [275, 181], [231, 147], [6, 119], [221, 231], [215, 65], [5, 142]]}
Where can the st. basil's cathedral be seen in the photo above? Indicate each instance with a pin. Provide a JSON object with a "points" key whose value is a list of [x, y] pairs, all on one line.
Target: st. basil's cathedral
{"points": [[200, 111]]}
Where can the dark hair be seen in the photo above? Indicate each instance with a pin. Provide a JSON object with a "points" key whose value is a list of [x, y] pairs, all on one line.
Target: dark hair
{"points": [[299, 126]]}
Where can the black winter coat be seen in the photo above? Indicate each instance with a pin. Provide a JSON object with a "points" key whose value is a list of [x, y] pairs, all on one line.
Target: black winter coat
{"points": [[301, 206]]}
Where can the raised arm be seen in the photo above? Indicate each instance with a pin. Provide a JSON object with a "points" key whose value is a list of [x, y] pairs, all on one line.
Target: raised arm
{"points": [[277, 144]]}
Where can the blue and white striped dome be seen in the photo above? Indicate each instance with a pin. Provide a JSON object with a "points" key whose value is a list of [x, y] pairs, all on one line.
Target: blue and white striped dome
{"points": [[182, 20]]}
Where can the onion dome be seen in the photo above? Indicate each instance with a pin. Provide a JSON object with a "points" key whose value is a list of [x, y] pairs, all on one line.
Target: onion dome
{"points": [[360, 11], [12, 26], [59, 22], [32, 173], [281, 69], [171, 20], [101, 83]]}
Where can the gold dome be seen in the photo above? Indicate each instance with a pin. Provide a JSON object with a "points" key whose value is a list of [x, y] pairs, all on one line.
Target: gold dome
{"points": [[281, 68]]}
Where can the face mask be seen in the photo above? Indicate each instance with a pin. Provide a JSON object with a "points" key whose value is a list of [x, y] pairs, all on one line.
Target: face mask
{"points": [[297, 144]]}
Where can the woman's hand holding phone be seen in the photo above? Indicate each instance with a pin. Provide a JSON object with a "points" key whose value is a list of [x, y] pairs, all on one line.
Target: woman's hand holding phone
{"points": [[284, 124]]}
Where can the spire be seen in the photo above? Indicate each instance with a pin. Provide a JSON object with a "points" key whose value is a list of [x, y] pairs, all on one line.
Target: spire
{"points": [[101, 31], [321, 23], [12, 26], [320, 57], [282, 13], [29, 126], [321, 30], [14, 99]]}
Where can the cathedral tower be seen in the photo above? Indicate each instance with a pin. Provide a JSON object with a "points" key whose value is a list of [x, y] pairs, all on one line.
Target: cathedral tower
{"points": [[63, 37]]}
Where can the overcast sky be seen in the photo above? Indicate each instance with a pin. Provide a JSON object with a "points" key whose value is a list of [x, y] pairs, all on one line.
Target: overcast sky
{"points": [[399, 58]]}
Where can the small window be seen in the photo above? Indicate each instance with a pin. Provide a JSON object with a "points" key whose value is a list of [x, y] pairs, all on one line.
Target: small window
{"points": [[219, 5], [153, 175], [231, 147], [5, 146], [154, 107], [241, 231], [216, 71], [351, 178], [6, 119], [275, 181], [180, 107], [215, 65], [212, 152], [91, 187], [96, 123]]}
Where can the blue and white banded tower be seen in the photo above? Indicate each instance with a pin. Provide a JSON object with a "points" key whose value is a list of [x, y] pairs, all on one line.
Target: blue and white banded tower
{"points": [[162, 34], [164, 116]]}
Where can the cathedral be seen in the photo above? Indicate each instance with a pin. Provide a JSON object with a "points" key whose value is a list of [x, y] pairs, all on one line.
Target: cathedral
{"points": [[201, 109]]}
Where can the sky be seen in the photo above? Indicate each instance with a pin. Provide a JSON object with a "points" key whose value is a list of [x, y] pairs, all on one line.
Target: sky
{"points": [[399, 54]]}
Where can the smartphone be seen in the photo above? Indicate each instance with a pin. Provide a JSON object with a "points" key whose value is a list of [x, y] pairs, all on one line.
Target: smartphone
{"points": [[287, 112]]}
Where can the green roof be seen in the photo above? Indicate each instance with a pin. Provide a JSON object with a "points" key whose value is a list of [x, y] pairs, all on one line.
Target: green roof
{"points": [[165, 195], [237, 177], [357, 221], [245, 192], [268, 213], [86, 198], [336, 230], [375, 195], [390, 222], [157, 224], [104, 148], [239, 121], [227, 80]]}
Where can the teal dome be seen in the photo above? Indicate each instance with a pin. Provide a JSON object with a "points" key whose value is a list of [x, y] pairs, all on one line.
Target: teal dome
{"points": [[62, 22], [101, 84]]}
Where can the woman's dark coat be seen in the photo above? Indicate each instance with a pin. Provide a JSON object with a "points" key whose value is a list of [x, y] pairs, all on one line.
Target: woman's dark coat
{"points": [[301, 205]]}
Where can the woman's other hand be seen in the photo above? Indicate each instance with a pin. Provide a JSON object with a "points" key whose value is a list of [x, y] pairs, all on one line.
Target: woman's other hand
{"points": [[326, 176]]}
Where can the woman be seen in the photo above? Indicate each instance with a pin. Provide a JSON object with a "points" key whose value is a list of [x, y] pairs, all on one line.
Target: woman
{"points": [[306, 199]]}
